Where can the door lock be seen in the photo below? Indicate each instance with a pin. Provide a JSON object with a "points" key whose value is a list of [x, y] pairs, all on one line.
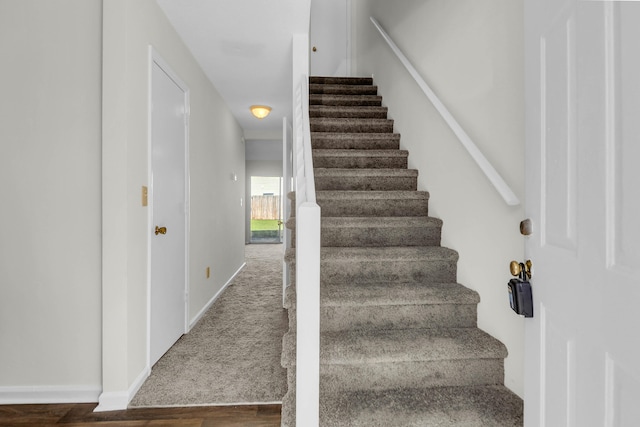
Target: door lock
{"points": [[520, 295], [519, 269], [161, 230]]}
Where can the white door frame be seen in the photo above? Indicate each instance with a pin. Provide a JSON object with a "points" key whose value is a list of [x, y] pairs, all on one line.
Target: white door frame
{"points": [[155, 58]]}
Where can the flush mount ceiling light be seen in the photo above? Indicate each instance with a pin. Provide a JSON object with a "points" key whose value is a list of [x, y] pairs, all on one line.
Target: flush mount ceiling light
{"points": [[260, 111]]}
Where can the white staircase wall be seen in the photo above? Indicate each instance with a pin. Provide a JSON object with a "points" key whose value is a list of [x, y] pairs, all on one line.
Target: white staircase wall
{"points": [[470, 53]]}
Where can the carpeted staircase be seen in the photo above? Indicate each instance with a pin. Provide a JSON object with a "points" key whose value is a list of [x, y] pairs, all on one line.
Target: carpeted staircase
{"points": [[399, 343]]}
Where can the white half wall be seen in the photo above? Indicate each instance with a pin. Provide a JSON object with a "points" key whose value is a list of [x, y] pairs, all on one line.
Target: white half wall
{"points": [[50, 240], [216, 213], [471, 54]]}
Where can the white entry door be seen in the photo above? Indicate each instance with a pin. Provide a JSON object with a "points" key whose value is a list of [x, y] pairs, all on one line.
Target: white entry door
{"points": [[583, 196], [329, 38], [169, 221]]}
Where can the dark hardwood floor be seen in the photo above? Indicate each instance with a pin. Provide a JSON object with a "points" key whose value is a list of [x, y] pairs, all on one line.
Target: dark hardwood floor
{"points": [[75, 415]]}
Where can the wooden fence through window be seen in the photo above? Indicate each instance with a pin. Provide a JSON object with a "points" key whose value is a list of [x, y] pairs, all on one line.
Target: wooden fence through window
{"points": [[265, 207]]}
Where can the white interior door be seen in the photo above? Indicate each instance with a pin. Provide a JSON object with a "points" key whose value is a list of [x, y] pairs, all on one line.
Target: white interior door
{"points": [[329, 38], [583, 195], [169, 220]]}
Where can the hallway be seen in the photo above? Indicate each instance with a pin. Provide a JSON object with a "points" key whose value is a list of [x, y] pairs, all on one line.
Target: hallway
{"points": [[232, 356]]}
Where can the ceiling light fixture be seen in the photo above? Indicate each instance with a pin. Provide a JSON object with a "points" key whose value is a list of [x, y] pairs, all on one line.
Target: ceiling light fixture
{"points": [[260, 111]]}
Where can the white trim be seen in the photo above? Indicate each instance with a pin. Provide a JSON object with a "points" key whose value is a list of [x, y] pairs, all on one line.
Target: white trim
{"points": [[48, 394], [307, 266], [149, 194], [201, 405], [119, 400], [201, 313], [112, 401], [494, 177], [349, 38], [609, 391]]}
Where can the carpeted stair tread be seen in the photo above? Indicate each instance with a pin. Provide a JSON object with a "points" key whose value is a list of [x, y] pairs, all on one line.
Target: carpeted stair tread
{"points": [[373, 203], [317, 153], [395, 253], [366, 179], [470, 406], [355, 141], [372, 195], [369, 347], [360, 159], [364, 173], [357, 100], [377, 231], [340, 80], [408, 345], [350, 125], [397, 264], [396, 306], [348, 112], [384, 294], [342, 89], [353, 266]]}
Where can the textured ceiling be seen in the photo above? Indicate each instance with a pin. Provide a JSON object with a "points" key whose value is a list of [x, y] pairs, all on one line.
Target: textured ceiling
{"points": [[244, 47]]}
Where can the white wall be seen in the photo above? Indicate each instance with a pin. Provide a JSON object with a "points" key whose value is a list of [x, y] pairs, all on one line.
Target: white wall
{"points": [[50, 320], [217, 216], [470, 53], [73, 241]]}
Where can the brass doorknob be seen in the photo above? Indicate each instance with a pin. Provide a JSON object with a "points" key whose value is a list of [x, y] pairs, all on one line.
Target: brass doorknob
{"points": [[161, 230], [517, 268]]}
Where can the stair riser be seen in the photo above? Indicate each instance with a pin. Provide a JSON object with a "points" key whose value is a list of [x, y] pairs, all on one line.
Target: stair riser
{"points": [[348, 112], [333, 89], [335, 319], [375, 237], [397, 270], [382, 183], [360, 162], [394, 207], [355, 142], [398, 317], [345, 100], [330, 80], [351, 126], [380, 376], [478, 406]]}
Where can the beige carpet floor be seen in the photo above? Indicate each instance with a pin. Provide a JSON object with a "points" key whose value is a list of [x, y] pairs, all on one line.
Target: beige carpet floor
{"points": [[232, 356]]}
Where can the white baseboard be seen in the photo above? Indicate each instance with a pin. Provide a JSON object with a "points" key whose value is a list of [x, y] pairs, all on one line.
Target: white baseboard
{"points": [[119, 400], [48, 394], [112, 401], [215, 297]]}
